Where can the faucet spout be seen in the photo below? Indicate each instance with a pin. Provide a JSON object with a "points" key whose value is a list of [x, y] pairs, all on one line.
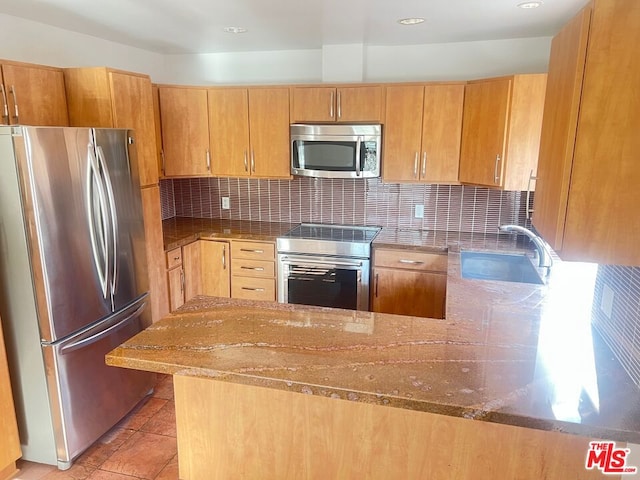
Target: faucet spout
{"points": [[544, 255]]}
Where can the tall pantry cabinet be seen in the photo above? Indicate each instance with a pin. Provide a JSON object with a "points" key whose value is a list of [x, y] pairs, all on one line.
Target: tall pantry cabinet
{"points": [[587, 195], [103, 97]]}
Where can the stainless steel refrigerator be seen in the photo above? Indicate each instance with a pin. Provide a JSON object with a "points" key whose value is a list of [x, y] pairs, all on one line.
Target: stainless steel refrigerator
{"points": [[73, 282]]}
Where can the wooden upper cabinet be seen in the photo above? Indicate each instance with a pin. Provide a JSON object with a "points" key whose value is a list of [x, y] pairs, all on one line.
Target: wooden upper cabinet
{"points": [[249, 132], [33, 95], [158, 128], [587, 189], [337, 104], [101, 97], [422, 133], [229, 132], [185, 131], [501, 125]]}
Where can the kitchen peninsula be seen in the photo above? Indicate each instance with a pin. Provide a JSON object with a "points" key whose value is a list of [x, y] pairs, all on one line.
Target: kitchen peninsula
{"points": [[512, 384]]}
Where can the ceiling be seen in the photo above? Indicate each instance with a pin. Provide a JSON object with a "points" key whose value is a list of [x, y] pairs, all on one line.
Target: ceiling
{"points": [[196, 26]]}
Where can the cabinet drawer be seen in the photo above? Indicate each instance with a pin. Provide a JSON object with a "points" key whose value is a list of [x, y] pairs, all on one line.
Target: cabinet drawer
{"points": [[411, 260], [252, 268], [253, 288], [253, 250], [174, 258]]}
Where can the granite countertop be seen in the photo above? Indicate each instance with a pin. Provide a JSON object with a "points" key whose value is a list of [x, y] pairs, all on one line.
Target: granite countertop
{"points": [[509, 353]]}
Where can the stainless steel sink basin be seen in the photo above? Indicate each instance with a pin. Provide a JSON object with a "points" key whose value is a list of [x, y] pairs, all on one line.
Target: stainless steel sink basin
{"points": [[506, 267]]}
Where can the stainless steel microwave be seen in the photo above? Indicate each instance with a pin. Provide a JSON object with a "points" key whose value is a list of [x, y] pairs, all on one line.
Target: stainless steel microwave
{"points": [[336, 151]]}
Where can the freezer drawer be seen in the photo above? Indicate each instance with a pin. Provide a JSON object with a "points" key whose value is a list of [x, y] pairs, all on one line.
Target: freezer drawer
{"points": [[88, 397]]}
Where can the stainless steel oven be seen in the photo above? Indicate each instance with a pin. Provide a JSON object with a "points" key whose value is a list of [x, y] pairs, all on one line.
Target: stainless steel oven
{"points": [[325, 265]]}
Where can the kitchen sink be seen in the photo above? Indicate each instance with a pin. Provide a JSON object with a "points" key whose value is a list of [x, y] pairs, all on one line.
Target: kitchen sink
{"points": [[506, 267]]}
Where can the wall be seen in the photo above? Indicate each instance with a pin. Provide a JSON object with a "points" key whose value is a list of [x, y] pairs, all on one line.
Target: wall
{"points": [[27, 41], [352, 202]]}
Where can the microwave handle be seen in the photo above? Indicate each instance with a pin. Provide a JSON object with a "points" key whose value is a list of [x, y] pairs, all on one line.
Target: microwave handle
{"points": [[358, 158]]}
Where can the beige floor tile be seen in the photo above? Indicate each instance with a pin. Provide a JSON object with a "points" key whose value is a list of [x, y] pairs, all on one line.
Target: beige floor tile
{"points": [[163, 422], [32, 471], [104, 475], [170, 472], [143, 455], [105, 446], [142, 413], [76, 472]]}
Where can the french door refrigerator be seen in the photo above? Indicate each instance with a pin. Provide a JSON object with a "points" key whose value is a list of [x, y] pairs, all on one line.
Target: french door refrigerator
{"points": [[73, 282]]}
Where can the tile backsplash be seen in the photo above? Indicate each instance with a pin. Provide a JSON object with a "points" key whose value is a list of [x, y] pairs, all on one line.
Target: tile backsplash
{"points": [[352, 202]]}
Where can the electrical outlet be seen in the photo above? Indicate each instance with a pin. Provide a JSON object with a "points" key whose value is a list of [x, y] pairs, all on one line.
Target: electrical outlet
{"points": [[419, 211], [226, 204], [606, 301]]}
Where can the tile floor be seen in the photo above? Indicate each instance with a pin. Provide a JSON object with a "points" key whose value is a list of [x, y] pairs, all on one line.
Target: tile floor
{"points": [[142, 446]]}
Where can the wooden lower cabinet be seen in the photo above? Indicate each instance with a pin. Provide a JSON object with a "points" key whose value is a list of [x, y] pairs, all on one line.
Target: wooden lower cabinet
{"points": [[206, 269], [9, 439], [409, 283], [175, 278], [253, 270]]}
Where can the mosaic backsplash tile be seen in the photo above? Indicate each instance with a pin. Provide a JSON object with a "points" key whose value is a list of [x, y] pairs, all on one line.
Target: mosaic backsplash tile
{"points": [[351, 202]]}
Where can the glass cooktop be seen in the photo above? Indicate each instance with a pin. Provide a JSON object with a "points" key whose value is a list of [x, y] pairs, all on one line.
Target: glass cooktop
{"points": [[335, 233]]}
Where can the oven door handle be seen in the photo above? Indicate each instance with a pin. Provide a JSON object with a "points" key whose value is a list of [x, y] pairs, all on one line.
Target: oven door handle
{"points": [[303, 260]]}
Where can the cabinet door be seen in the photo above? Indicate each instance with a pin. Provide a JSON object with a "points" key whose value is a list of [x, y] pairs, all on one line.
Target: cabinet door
{"points": [[35, 95], [269, 132], [249, 288], [133, 108], [441, 133], [402, 133], [185, 131], [406, 292], [359, 104], [215, 268], [191, 264], [9, 439], [313, 104], [229, 132], [176, 282], [158, 129], [484, 126]]}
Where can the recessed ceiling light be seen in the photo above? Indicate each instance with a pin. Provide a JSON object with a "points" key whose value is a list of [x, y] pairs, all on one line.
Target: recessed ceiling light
{"points": [[530, 4], [410, 21], [234, 29]]}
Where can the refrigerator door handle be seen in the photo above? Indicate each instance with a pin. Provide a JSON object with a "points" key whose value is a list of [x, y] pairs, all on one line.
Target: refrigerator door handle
{"points": [[97, 244], [113, 216], [84, 341]]}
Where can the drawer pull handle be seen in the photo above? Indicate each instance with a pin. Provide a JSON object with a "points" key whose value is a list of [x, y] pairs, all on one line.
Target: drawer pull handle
{"points": [[253, 289], [176, 258], [251, 250], [257, 269], [411, 262]]}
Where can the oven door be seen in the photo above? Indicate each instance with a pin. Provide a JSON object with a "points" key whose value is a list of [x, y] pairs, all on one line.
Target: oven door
{"points": [[323, 281]]}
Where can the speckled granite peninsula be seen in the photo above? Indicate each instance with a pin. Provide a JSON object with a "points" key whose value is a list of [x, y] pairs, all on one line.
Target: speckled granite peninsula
{"points": [[513, 366]]}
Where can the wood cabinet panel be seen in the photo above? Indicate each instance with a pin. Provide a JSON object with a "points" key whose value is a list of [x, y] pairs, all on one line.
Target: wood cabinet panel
{"points": [[412, 260], [9, 438], [176, 280], [215, 267], [35, 95], [269, 132], [313, 104], [360, 104], [185, 131], [251, 288], [192, 266], [253, 268], [229, 132], [253, 250], [174, 258], [406, 292]]}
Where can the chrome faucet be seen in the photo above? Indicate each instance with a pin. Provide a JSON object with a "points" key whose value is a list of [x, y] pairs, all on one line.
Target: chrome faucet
{"points": [[544, 255]]}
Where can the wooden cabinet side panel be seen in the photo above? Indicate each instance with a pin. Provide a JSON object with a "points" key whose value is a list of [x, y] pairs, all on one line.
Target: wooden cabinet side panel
{"points": [[313, 104], [402, 133], [88, 97], [155, 252], [158, 129], [229, 131], [525, 125], [360, 104], [9, 438], [215, 268], [409, 292], [559, 124], [603, 223], [133, 109], [175, 279], [185, 131], [441, 133], [192, 266], [484, 128], [269, 132], [40, 95]]}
